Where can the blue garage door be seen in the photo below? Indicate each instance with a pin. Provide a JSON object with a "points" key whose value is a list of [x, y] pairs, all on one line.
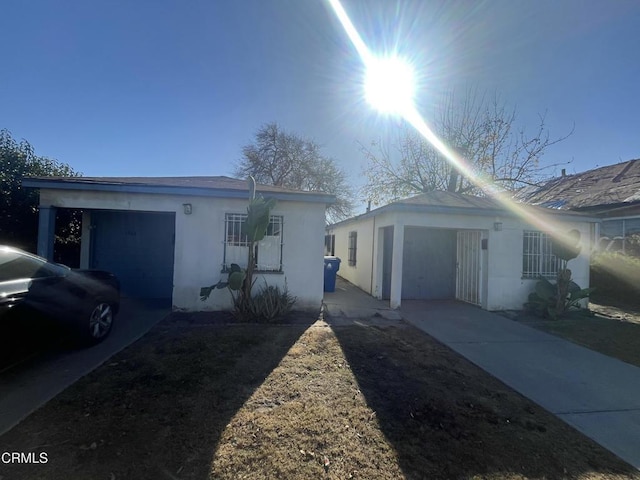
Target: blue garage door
{"points": [[138, 247]]}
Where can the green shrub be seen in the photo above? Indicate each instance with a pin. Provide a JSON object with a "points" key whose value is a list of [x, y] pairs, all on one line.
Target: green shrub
{"points": [[544, 300], [632, 245]]}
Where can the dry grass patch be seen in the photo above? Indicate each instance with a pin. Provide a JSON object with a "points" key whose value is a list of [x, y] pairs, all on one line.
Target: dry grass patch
{"points": [[298, 402], [611, 331], [308, 419]]}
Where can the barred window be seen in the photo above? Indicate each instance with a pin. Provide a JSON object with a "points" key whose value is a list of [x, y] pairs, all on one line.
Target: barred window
{"points": [[353, 248], [538, 259], [268, 250]]}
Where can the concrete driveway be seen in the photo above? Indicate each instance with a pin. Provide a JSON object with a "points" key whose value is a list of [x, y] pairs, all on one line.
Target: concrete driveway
{"points": [[596, 394], [27, 386]]}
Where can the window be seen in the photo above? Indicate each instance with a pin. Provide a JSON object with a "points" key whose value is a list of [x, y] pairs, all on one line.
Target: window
{"points": [[617, 234], [538, 259], [330, 245], [353, 248], [268, 250], [16, 265]]}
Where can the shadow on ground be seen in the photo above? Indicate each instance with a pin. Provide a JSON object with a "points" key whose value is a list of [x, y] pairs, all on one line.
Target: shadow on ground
{"points": [[158, 408], [20, 341], [446, 418]]}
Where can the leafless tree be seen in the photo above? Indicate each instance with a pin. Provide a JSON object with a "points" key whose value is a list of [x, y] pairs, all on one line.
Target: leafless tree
{"points": [[481, 130], [288, 160]]}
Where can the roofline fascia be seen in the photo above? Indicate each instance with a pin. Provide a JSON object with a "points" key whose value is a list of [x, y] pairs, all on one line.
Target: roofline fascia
{"points": [[630, 217], [403, 207], [612, 207], [175, 190]]}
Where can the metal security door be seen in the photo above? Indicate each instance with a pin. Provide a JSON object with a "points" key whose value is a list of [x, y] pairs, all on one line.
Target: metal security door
{"points": [[468, 275]]}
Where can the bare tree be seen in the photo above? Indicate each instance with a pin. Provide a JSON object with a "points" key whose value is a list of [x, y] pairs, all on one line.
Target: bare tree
{"points": [[288, 160], [481, 131]]}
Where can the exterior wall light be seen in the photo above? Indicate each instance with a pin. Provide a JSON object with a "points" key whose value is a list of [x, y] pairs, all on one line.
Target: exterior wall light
{"points": [[497, 226], [188, 209]]}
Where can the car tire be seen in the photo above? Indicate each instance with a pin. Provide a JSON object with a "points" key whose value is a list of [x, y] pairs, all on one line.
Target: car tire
{"points": [[96, 324]]}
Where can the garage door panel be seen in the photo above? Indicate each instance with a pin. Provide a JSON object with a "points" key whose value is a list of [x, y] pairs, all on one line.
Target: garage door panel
{"points": [[429, 264], [138, 247]]}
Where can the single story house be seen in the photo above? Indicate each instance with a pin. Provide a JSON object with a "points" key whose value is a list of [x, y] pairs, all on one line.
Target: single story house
{"points": [[443, 245], [611, 193], [165, 237]]}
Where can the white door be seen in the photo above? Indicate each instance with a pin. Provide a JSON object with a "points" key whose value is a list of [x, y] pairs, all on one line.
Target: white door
{"points": [[468, 266]]}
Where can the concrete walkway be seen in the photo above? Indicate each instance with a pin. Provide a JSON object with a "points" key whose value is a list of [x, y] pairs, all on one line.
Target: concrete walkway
{"points": [[26, 387], [597, 395], [349, 305]]}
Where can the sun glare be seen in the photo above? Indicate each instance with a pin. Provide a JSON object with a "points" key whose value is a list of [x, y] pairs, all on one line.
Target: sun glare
{"points": [[390, 85], [390, 88]]}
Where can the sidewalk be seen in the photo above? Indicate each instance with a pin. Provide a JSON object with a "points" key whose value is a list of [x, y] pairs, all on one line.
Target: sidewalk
{"points": [[348, 304], [597, 395]]}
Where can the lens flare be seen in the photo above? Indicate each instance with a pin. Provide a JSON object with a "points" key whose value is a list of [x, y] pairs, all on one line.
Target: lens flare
{"points": [[381, 90]]}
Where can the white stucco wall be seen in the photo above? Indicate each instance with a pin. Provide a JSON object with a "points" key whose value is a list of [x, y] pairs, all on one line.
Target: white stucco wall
{"points": [[507, 288], [360, 273], [199, 242], [502, 283]]}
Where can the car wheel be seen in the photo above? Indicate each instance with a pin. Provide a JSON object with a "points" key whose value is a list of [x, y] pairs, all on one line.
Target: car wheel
{"points": [[100, 321]]}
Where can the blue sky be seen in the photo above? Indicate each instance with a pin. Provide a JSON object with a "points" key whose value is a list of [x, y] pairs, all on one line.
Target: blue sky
{"points": [[127, 88]]}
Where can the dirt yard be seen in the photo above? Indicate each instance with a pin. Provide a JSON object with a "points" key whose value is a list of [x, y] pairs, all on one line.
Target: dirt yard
{"points": [[195, 399]]}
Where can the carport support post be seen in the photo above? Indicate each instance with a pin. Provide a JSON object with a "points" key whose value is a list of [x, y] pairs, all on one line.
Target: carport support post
{"points": [[85, 240], [46, 231], [396, 266]]}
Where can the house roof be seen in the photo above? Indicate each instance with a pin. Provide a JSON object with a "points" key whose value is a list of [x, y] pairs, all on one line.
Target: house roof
{"points": [[457, 203], [218, 186], [613, 185], [449, 199]]}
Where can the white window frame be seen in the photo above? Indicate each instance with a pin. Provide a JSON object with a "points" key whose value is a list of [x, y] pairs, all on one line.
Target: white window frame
{"points": [[538, 259], [236, 245]]}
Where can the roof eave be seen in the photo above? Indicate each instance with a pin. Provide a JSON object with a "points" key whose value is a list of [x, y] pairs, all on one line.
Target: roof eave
{"points": [[175, 190], [438, 209]]}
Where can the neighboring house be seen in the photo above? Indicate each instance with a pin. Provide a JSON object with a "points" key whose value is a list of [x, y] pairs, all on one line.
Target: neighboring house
{"points": [[165, 237], [443, 245], [611, 193]]}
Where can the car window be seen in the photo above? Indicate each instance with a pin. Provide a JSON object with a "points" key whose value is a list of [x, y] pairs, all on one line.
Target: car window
{"points": [[15, 265]]}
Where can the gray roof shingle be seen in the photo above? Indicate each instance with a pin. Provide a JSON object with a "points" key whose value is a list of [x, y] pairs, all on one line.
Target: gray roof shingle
{"points": [[441, 198], [610, 185]]}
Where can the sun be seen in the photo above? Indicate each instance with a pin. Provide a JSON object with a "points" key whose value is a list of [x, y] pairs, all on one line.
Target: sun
{"points": [[390, 84]]}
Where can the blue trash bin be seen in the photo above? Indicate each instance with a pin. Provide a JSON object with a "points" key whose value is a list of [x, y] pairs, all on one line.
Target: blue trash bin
{"points": [[331, 267]]}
